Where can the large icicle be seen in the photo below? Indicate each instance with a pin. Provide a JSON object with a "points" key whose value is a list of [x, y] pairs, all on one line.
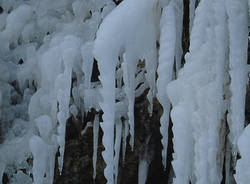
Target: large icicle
{"points": [[238, 39], [95, 143], [197, 100], [69, 47], [112, 41], [165, 71]]}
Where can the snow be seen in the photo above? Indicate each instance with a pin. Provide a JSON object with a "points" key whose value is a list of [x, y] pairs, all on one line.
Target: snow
{"points": [[165, 71]]}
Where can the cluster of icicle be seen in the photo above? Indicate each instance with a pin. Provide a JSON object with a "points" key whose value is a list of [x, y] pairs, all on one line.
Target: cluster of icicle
{"points": [[45, 77], [211, 84], [58, 41]]}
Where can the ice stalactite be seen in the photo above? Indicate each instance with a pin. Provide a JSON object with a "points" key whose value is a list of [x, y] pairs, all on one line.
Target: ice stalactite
{"points": [[118, 136], [178, 6], [70, 47], [39, 151], [95, 143], [124, 139], [237, 12], [129, 67], [88, 59], [165, 71], [113, 41], [142, 171], [191, 14]]}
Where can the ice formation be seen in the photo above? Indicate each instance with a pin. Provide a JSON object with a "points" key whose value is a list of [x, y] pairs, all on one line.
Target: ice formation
{"points": [[237, 23], [113, 41], [95, 141], [49, 56], [165, 71], [242, 168]]}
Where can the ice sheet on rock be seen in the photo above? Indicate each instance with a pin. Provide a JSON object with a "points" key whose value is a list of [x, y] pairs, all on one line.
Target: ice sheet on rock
{"points": [[165, 71], [95, 141], [237, 12]]}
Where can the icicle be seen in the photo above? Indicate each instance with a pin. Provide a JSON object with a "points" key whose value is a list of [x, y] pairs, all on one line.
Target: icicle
{"points": [[124, 139], [128, 67], [178, 5], [107, 78], [2, 168], [191, 14], [142, 171], [237, 12], [165, 71], [196, 120], [63, 98], [118, 128], [95, 143], [63, 89], [39, 151], [112, 41], [88, 60]]}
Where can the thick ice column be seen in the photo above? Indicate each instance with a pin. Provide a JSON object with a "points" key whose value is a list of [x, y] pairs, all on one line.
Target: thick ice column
{"points": [[165, 71], [237, 12]]}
